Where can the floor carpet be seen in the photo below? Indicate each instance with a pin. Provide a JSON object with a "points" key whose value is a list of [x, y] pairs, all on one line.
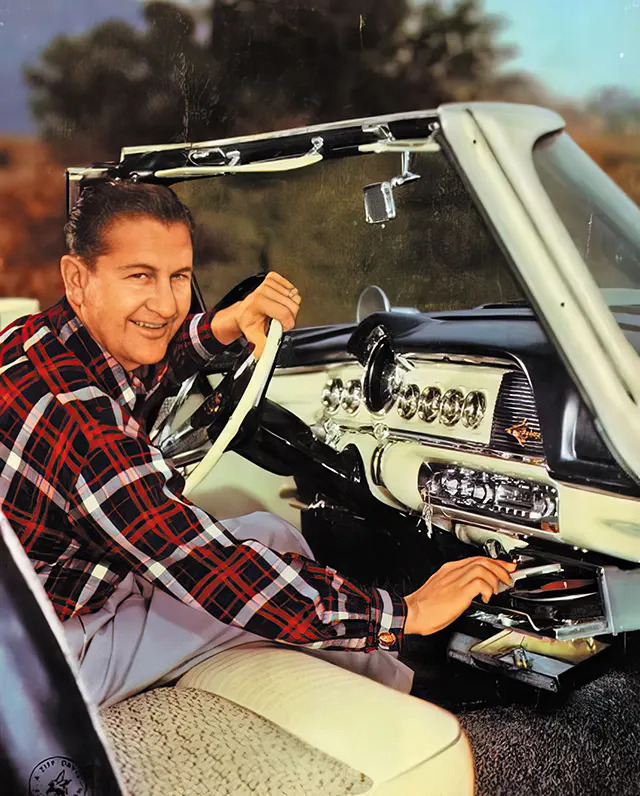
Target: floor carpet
{"points": [[531, 743]]}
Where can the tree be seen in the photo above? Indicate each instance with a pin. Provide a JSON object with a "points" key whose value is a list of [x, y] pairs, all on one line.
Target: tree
{"points": [[115, 85], [253, 65]]}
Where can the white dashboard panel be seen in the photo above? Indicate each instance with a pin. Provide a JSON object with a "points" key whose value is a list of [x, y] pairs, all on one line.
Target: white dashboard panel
{"points": [[300, 391]]}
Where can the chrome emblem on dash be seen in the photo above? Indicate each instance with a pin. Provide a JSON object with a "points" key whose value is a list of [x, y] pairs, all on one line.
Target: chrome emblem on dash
{"points": [[522, 433]]}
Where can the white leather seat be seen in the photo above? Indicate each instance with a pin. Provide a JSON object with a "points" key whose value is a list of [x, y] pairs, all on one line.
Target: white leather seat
{"points": [[402, 744]]}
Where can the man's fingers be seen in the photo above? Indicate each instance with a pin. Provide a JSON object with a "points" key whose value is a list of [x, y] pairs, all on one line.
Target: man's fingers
{"points": [[274, 296], [489, 565], [480, 572], [497, 570], [501, 568], [476, 587], [274, 278]]}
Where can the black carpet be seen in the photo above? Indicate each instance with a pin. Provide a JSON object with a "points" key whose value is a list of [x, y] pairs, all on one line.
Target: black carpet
{"points": [[532, 743]]}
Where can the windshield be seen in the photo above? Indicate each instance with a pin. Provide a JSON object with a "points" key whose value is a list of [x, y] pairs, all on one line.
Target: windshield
{"points": [[602, 221], [309, 224]]}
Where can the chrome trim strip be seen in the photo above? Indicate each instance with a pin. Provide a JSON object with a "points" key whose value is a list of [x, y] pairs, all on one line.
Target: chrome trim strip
{"points": [[491, 523], [439, 442], [274, 165], [376, 464], [462, 359], [324, 367], [316, 128]]}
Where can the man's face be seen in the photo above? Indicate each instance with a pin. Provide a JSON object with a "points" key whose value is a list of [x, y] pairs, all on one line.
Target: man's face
{"points": [[139, 293]]}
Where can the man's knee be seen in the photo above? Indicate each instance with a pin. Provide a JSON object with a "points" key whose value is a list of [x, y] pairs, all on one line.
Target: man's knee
{"points": [[270, 530]]}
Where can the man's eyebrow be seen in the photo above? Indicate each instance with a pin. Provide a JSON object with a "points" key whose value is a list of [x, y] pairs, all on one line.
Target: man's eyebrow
{"points": [[138, 266], [132, 266]]}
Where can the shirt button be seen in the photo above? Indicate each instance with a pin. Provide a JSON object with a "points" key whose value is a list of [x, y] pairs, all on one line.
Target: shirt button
{"points": [[387, 639]]}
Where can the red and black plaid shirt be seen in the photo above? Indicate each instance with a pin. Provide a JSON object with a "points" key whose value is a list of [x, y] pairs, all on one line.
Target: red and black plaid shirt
{"points": [[92, 499]]}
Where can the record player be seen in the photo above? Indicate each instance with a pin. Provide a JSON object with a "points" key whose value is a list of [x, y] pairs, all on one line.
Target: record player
{"points": [[556, 627]]}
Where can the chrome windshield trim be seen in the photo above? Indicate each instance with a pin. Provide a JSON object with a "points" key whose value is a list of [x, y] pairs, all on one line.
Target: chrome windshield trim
{"points": [[310, 130]]}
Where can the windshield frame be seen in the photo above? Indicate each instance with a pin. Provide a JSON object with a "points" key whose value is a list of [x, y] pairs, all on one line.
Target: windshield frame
{"points": [[493, 146]]}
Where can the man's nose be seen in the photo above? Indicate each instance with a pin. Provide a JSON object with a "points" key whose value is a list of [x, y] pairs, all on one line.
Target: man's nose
{"points": [[162, 301]]}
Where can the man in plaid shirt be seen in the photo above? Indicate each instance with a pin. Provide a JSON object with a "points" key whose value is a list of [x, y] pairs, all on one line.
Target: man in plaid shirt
{"points": [[146, 583]]}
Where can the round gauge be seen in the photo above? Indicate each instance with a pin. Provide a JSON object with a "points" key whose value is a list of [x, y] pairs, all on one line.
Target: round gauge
{"points": [[429, 404], [408, 401], [451, 407], [381, 379], [473, 409], [331, 395], [351, 396]]}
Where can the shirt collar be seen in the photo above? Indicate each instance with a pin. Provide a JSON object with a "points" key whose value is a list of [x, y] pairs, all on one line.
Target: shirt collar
{"points": [[120, 385]]}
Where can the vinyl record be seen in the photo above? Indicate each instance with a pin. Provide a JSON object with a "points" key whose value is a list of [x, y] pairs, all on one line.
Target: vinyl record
{"points": [[558, 589]]}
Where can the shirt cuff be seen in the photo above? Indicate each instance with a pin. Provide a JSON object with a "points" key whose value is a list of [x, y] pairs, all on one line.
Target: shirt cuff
{"points": [[204, 342], [387, 618]]}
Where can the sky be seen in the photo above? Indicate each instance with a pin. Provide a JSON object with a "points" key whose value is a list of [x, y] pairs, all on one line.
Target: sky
{"points": [[574, 46], [571, 46]]}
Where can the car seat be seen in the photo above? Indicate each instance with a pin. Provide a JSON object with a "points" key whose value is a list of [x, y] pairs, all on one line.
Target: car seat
{"points": [[259, 719]]}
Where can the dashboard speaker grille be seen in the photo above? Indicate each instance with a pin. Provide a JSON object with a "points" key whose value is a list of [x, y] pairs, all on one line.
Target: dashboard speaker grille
{"points": [[516, 410]]}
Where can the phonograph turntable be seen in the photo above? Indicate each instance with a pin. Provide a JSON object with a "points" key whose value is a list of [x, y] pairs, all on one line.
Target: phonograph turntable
{"points": [[548, 624], [554, 592]]}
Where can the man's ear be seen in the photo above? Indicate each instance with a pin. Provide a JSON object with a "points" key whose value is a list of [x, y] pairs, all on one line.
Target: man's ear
{"points": [[74, 275]]}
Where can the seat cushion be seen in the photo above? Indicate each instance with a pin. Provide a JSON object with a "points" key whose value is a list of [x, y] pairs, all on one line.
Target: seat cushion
{"points": [[366, 725], [188, 741]]}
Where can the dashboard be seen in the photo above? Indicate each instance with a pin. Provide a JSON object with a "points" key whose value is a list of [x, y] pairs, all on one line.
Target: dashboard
{"points": [[461, 403], [469, 419]]}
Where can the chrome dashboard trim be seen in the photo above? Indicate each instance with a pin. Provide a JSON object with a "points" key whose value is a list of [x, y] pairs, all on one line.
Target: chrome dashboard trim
{"points": [[419, 356], [376, 463], [491, 523], [440, 442], [295, 370], [461, 359]]}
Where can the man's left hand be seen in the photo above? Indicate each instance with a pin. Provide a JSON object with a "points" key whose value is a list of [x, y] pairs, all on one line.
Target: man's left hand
{"points": [[275, 298]]}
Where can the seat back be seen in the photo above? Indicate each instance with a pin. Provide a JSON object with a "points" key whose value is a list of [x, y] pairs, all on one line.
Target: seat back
{"points": [[12, 308], [50, 736]]}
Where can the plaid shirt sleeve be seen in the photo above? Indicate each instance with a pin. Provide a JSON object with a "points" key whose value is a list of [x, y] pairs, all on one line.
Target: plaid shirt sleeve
{"points": [[128, 501], [193, 346]]}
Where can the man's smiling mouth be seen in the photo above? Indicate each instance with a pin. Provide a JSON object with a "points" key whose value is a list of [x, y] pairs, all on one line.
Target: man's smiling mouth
{"points": [[149, 325]]}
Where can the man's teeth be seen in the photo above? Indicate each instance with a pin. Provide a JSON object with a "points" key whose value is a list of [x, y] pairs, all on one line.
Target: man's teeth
{"points": [[149, 325]]}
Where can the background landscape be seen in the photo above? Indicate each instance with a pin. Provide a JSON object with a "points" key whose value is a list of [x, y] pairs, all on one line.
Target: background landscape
{"points": [[79, 80]]}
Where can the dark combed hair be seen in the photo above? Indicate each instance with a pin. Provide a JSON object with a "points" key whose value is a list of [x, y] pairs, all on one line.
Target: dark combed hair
{"points": [[102, 203]]}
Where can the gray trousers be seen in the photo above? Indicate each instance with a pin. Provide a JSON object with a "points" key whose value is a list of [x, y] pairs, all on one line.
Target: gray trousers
{"points": [[143, 636]]}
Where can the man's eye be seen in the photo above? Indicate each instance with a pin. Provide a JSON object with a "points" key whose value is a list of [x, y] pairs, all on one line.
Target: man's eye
{"points": [[181, 276], [138, 276]]}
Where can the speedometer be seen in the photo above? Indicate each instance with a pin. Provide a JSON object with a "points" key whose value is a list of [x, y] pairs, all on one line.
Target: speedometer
{"points": [[382, 380]]}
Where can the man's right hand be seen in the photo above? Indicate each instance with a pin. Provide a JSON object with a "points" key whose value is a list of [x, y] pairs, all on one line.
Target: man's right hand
{"points": [[450, 591]]}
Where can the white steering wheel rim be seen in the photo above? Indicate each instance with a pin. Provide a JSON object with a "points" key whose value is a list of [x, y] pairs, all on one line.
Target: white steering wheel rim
{"points": [[250, 398]]}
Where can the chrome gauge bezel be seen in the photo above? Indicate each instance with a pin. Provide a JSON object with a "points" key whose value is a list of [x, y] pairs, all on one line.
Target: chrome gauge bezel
{"points": [[474, 409], [382, 375], [332, 395], [451, 407], [429, 404], [351, 396], [408, 401]]}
